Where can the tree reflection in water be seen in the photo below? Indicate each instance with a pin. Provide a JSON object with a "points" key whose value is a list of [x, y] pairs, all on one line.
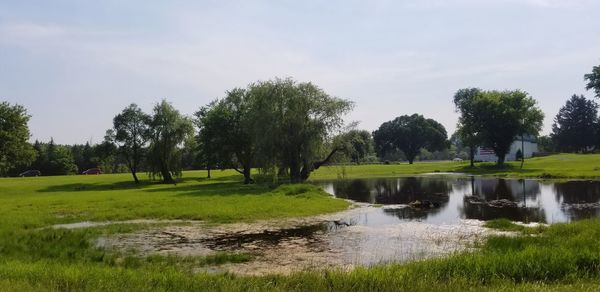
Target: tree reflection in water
{"points": [[559, 201]]}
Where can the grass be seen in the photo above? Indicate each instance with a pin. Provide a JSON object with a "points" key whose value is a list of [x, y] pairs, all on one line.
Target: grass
{"points": [[565, 166], [33, 257], [504, 225], [28, 206], [561, 257]]}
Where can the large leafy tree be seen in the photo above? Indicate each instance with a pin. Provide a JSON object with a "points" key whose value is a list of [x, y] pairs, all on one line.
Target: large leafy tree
{"points": [[226, 137], [131, 132], [593, 80], [503, 115], [468, 126], [575, 125], [292, 125], [168, 131], [410, 134], [15, 150]]}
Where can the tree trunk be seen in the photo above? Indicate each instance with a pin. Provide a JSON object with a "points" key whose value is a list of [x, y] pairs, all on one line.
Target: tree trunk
{"points": [[247, 178], [501, 159], [522, 151], [208, 169], [295, 170], [166, 174], [305, 172], [472, 155], [135, 178]]}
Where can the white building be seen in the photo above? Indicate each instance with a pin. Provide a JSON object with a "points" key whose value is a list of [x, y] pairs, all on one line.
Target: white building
{"points": [[528, 143]]}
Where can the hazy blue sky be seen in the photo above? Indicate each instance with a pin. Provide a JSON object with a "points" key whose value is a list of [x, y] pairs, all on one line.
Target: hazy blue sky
{"points": [[75, 64]]}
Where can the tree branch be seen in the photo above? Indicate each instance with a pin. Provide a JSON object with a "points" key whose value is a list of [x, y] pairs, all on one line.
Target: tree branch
{"points": [[318, 164]]}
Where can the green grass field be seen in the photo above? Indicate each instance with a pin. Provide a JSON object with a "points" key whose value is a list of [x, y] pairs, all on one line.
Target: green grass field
{"points": [[32, 257], [568, 166]]}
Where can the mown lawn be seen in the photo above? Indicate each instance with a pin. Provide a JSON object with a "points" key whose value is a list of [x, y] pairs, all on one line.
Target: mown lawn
{"points": [[32, 257], [585, 166]]}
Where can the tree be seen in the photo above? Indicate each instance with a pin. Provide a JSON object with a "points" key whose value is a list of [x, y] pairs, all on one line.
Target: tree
{"points": [[575, 125], [59, 160], [292, 124], [503, 115], [106, 156], [130, 132], [410, 134], [356, 144], [468, 127], [593, 80], [15, 151], [83, 156], [546, 144], [168, 130], [225, 133]]}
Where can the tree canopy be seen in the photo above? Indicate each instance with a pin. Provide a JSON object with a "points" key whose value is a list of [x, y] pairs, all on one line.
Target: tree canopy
{"points": [[410, 134], [292, 124], [226, 136], [356, 144], [593, 80], [502, 115], [15, 149], [130, 132], [576, 124], [168, 131], [468, 125], [280, 126]]}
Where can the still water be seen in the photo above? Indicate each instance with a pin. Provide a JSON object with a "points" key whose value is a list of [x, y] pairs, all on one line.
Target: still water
{"points": [[468, 197]]}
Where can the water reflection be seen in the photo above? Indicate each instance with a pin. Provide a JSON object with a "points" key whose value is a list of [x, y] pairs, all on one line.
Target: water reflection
{"points": [[576, 196], [535, 201]]}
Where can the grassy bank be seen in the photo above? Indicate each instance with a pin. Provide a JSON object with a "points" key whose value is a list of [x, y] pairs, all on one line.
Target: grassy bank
{"points": [[41, 201], [585, 166]]}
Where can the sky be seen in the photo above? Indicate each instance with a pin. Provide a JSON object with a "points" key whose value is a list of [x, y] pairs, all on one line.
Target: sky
{"points": [[75, 64]]}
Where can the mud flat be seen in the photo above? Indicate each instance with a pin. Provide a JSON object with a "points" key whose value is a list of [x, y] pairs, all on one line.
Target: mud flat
{"points": [[342, 240]]}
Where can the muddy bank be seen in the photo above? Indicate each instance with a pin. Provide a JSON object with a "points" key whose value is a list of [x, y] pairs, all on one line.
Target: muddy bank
{"points": [[342, 240]]}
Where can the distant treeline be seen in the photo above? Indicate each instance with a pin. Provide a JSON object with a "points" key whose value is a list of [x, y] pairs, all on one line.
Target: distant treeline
{"points": [[287, 129]]}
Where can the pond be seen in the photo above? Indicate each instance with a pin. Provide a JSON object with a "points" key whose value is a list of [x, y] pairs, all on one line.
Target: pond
{"points": [[394, 220], [449, 198]]}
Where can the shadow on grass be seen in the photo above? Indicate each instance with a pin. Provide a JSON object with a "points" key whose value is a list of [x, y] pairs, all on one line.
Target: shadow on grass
{"points": [[144, 184], [82, 187], [216, 189]]}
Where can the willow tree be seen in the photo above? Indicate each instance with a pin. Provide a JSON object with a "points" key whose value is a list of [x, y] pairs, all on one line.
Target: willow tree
{"points": [[226, 134], [168, 131], [292, 123], [131, 132]]}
